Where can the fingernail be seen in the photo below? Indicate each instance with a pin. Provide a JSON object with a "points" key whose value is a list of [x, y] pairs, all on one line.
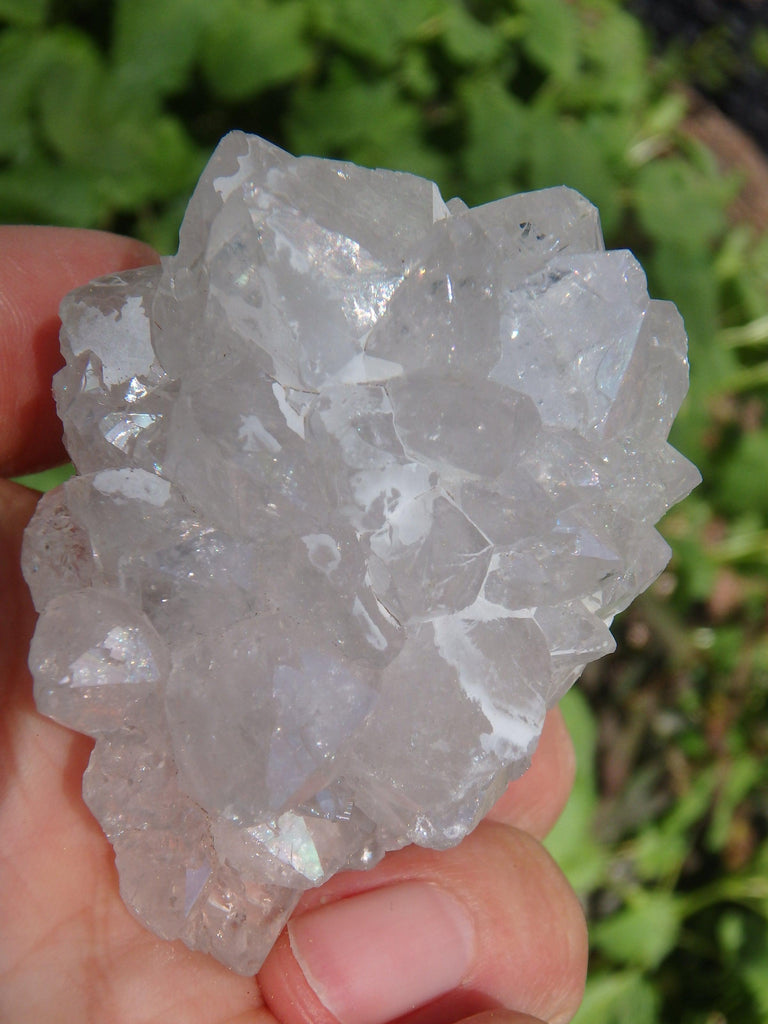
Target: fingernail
{"points": [[374, 956]]}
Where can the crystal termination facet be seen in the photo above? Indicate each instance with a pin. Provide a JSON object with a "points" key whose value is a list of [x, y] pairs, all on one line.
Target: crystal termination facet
{"points": [[363, 477]]}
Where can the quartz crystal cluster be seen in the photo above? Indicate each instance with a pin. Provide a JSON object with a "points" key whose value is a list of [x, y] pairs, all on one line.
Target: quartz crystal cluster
{"points": [[362, 478]]}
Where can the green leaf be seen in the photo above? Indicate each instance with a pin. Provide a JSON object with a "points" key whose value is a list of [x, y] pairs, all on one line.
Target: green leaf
{"points": [[680, 204], [21, 59], [358, 27], [70, 88], [624, 997], [744, 476], [48, 479], [126, 153], [253, 45], [142, 160], [497, 132], [751, 284], [552, 36], [416, 75], [756, 978], [39, 192], [664, 114], [154, 44], [759, 46], [112, 153], [743, 774], [563, 151], [417, 20], [467, 40], [661, 848], [644, 932], [571, 842], [688, 279], [617, 61], [610, 133], [743, 941], [370, 123], [24, 13], [375, 31], [660, 853]]}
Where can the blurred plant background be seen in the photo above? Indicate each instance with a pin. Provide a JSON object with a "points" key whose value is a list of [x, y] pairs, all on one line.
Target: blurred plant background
{"points": [[108, 112]]}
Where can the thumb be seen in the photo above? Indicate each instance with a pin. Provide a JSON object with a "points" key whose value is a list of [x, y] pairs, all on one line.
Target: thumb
{"points": [[432, 937]]}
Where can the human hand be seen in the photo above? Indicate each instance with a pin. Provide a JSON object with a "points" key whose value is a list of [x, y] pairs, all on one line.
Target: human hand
{"points": [[489, 928]]}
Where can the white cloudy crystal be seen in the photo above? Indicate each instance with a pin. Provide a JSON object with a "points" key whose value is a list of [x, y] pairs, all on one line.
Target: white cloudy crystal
{"points": [[362, 479]]}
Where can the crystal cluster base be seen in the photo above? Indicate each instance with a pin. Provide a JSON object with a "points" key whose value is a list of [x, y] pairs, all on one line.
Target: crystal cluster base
{"points": [[363, 477]]}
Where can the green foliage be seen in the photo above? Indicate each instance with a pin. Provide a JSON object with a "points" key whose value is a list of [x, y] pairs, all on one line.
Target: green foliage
{"points": [[619, 997], [743, 480], [551, 38], [759, 47], [48, 479], [253, 45], [572, 841], [23, 12], [680, 204], [643, 932], [154, 45], [107, 114], [79, 146]]}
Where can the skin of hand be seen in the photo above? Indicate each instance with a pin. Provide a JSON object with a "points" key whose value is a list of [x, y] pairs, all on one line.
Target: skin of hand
{"points": [[488, 931]]}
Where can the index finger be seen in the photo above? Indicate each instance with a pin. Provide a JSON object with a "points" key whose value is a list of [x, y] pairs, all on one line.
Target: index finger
{"points": [[39, 265]]}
